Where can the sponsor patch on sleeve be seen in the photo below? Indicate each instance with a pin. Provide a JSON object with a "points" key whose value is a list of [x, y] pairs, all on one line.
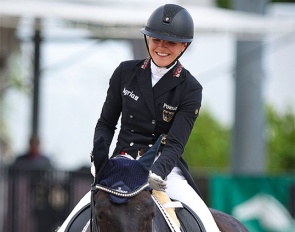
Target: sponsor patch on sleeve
{"points": [[168, 112]]}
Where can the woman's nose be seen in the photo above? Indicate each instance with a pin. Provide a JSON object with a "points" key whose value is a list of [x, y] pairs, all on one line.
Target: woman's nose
{"points": [[162, 43]]}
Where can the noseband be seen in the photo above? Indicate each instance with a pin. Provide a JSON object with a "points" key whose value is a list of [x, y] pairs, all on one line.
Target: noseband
{"points": [[95, 188]]}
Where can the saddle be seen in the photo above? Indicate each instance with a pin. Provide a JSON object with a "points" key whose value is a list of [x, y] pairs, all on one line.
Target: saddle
{"points": [[178, 216], [120, 170], [189, 220]]}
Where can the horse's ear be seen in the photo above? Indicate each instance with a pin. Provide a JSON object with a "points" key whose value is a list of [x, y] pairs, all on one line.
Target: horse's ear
{"points": [[148, 158], [99, 154]]}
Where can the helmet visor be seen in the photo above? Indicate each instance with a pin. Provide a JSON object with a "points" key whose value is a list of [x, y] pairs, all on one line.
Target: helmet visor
{"points": [[165, 35]]}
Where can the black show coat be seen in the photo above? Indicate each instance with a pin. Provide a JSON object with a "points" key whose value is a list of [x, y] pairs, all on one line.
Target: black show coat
{"points": [[170, 107]]}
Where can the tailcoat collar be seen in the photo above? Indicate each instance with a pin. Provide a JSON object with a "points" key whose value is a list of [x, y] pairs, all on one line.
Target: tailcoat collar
{"points": [[169, 81]]}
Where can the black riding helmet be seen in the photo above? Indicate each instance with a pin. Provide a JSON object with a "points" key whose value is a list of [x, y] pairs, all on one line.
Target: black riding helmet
{"points": [[172, 23]]}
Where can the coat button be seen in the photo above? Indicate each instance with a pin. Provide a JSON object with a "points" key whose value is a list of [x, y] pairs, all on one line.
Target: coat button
{"points": [[153, 121], [132, 131], [150, 145], [131, 144], [131, 116]]}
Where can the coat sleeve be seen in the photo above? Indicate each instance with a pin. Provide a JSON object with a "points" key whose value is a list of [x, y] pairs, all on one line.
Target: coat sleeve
{"points": [[111, 110], [179, 132]]}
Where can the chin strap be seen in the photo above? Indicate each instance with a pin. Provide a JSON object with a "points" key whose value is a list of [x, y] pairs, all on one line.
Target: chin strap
{"points": [[172, 63]]}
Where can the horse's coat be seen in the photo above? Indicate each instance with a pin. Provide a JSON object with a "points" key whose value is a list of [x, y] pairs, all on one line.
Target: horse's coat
{"points": [[113, 213]]}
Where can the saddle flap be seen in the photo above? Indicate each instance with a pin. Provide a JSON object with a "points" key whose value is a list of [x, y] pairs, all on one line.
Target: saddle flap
{"points": [[189, 220], [177, 215]]}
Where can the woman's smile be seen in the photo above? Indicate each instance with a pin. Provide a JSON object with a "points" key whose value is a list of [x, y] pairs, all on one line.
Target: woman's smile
{"points": [[165, 52]]}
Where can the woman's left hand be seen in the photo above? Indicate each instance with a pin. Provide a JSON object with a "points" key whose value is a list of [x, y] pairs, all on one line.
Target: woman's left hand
{"points": [[156, 182]]}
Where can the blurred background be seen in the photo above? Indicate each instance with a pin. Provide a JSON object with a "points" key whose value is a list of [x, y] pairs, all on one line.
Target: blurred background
{"points": [[56, 58]]}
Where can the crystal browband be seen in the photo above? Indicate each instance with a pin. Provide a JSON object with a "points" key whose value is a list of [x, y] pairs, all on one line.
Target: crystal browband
{"points": [[120, 194]]}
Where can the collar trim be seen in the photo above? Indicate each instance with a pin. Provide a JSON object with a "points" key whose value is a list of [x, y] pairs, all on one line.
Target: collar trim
{"points": [[178, 70], [145, 64], [176, 73]]}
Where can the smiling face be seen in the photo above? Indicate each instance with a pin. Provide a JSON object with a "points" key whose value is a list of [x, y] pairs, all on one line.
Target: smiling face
{"points": [[164, 52]]}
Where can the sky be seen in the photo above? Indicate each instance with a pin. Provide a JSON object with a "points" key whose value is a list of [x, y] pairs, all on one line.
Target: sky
{"points": [[75, 79]]}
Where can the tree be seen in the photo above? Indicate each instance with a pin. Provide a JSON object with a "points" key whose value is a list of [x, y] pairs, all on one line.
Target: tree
{"points": [[280, 137], [208, 147], [9, 44]]}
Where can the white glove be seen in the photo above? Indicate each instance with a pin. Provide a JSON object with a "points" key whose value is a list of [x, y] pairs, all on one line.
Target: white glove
{"points": [[156, 182]]}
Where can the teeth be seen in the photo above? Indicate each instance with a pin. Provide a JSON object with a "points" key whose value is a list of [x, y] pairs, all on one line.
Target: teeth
{"points": [[162, 54]]}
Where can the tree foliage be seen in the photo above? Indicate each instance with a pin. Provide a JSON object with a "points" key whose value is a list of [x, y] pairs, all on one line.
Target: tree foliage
{"points": [[208, 149], [280, 137], [208, 145]]}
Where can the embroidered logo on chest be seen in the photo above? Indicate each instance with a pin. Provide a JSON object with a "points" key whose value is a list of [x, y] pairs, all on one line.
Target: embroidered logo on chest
{"points": [[130, 94], [168, 112]]}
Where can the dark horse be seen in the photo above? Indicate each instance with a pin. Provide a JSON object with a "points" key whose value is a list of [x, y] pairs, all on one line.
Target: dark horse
{"points": [[122, 201]]}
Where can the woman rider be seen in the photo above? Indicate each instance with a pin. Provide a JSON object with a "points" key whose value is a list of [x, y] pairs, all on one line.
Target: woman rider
{"points": [[157, 96]]}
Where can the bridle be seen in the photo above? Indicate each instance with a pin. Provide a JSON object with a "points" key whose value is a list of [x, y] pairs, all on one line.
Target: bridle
{"points": [[93, 222], [145, 163]]}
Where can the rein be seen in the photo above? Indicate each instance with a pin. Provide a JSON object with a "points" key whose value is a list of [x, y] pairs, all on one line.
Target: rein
{"points": [[93, 222]]}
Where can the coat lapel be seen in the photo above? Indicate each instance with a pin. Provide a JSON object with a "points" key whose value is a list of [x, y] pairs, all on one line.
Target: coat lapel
{"points": [[170, 80], [143, 76]]}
